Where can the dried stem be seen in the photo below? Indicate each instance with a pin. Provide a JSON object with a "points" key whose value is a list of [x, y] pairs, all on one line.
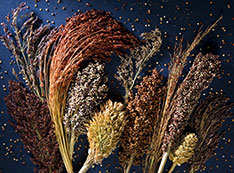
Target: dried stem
{"points": [[88, 163], [164, 160], [172, 168], [129, 164]]}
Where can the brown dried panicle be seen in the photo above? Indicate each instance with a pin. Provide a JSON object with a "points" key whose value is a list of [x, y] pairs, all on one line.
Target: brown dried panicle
{"points": [[31, 118], [23, 44], [143, 115], [201, 74], [104, 132], [206, 121], [132, 64]]}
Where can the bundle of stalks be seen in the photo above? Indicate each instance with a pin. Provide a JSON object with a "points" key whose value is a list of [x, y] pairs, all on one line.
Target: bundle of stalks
{"points": [[85, 94], [33, 122], [91, 35], [206, 122], [176, 67], [23, 44], [143, 112], [104, 132]]}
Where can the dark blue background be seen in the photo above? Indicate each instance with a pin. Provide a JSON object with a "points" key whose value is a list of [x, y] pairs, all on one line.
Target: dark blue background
{"points": [[174, 18]]}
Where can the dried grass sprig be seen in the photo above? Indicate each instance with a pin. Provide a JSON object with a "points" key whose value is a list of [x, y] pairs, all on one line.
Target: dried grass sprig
{"points": [[206, 121], [90, 35], [184, 151], [178, 62], [132, 64], [33, 122], [86, 93], [104, 132], [23, 43], [143, 113]]}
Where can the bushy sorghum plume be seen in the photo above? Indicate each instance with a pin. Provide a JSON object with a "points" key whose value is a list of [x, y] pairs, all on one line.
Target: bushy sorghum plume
{"points": [[132, 64], [206, 121], [201, 74], [33, 122], [84, 95], [104, 132], [184, 151], [143, 115], [23, 45], [178, 62], [93, 35]]}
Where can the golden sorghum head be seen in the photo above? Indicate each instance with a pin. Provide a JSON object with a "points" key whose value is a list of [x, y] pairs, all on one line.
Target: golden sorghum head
{"points": [[185, 150], [105, 130]]}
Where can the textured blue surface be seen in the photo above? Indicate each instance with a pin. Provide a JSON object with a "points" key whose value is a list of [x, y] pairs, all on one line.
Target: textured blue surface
{"points": [[171, 17]]}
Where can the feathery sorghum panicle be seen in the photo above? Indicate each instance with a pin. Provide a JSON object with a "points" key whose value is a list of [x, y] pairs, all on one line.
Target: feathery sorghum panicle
{"points": [[33, 122], [93, 35], [201, 74], [104, 132], [132, 64], [23, 44], [206, 121], [87, 92], [184, 151], [143, 113]]}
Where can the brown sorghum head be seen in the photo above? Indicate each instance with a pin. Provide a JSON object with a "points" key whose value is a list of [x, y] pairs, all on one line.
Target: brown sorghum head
{"points": [[31, 118], [143, 112]]}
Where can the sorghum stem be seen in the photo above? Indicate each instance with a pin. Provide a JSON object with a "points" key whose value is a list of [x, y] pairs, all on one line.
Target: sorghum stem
{"points": [[88, 163], [127, 170], [172, 167], [164, 160]]}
